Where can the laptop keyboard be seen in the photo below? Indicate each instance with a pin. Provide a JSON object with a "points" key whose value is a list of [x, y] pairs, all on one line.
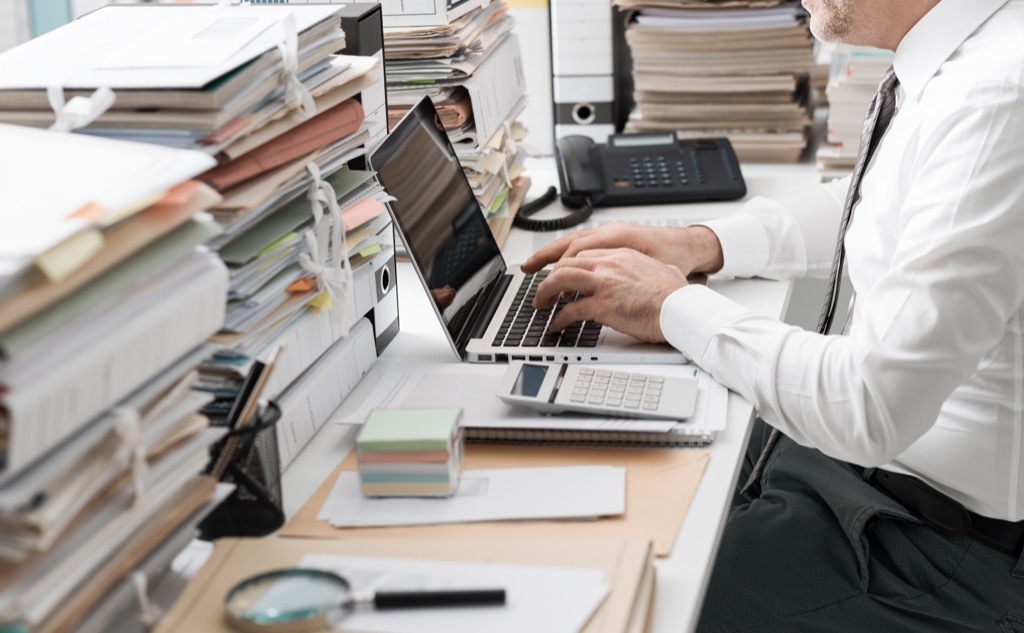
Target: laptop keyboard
{"points": [[524, 326]]}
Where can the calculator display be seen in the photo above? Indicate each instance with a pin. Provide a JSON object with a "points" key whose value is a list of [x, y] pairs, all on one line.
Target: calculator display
{"points": [[530, 378]]}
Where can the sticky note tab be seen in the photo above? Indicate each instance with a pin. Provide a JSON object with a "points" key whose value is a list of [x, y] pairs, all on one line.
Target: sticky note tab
{"points": [[68, 256], [321, 302], [300, 286]]}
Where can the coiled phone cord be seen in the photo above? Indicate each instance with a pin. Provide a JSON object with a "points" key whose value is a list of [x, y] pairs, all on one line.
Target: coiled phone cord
{"points": [[525, 222]]}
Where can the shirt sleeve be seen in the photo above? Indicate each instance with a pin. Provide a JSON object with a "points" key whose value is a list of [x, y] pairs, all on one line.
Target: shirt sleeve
{"points": [[952, 292], [790, 237]]}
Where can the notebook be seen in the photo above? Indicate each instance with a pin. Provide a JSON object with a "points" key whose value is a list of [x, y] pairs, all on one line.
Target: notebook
{"points": [[484, 305]]}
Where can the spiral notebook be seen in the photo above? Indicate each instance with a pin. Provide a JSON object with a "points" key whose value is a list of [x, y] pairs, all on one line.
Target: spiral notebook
{"points": [[488, 419]]}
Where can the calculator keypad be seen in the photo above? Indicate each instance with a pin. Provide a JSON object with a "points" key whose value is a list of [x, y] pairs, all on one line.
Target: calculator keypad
{"points": [[625, 390]]}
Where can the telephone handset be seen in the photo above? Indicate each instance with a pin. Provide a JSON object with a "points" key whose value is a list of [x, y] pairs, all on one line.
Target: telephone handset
{"points": [[648, 168], [579, 171]]}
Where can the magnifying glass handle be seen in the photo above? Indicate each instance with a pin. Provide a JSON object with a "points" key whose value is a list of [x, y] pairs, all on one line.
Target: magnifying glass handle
{"points": [[454, 598]]}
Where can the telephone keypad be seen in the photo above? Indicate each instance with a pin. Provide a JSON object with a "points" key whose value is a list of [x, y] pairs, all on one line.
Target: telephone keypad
{"points": [[652, 172]]}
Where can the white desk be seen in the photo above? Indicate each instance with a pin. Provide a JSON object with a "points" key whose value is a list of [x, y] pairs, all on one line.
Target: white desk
{"points": [[683, 576]]}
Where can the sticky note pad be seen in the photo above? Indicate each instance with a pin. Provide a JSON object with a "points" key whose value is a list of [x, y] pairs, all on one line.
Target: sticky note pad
{"points": [[410, 452]]}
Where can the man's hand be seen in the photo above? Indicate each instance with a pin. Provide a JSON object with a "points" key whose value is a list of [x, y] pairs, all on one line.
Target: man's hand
{"points": [[623, 289], [692, 249]]}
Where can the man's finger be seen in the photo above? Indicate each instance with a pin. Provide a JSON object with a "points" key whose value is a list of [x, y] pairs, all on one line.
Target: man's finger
{"points": [[551, 253], [564, 279], [578, 310]]}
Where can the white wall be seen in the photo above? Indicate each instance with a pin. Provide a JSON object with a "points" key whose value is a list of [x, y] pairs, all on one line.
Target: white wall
{"points": [[13, 23], [533, 30], [81, 7]]}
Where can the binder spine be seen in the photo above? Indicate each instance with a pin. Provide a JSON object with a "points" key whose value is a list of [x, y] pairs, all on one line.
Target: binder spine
{"points": [[308, 403], [693, 438]]}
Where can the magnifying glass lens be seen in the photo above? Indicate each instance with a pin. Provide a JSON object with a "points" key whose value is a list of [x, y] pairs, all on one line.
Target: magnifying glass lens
{"points": [[282, 599]]}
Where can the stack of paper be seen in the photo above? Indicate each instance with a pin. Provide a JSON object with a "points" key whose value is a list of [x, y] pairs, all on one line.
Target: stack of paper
{"points": [[472, 70], [265, 92], [559, 586], [105, 304], [738, 68], [853, 79], [186, 76], [275, 298], [410, 453]]}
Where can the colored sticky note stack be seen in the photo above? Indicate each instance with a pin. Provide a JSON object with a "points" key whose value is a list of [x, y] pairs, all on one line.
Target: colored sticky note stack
{"points": [[410, 453]]}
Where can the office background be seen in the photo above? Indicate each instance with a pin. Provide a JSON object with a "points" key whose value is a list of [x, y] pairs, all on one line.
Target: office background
{"points": [[23, 19]]}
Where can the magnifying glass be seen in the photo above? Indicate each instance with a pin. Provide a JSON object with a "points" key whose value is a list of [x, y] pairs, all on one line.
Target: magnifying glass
{"points": [[297, 600]]}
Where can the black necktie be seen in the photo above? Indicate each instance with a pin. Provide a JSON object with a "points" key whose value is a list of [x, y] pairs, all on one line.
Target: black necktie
{"points": [[880, 113]]}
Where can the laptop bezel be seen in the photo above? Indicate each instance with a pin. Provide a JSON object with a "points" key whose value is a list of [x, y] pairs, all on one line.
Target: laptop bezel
{"points": [[425, 110]]}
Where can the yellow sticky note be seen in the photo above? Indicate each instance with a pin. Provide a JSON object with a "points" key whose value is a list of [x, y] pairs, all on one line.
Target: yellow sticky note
{"points": [[493, 161], [370, 250], [321, 302], [66, 257]]}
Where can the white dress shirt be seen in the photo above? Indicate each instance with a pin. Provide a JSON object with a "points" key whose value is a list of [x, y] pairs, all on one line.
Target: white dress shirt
{"points": [[929, 380]]}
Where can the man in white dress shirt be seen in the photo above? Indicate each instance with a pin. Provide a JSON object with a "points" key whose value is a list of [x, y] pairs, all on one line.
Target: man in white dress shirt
{"points": [[895, 500]]}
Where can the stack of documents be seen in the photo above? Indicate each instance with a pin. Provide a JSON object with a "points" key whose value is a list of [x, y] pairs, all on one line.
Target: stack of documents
{"points": [[472, 70], [410, 453], [185, 76], [557, 586], [738, 68], [278, 115], [276, 299], [853, 79], [106, 301]]}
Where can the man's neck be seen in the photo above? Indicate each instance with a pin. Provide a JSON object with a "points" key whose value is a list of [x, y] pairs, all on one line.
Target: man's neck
{"points": [[905, 15]]}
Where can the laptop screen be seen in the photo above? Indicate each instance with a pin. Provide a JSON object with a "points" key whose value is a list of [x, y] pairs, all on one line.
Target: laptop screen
{"points": [[440, 221]]}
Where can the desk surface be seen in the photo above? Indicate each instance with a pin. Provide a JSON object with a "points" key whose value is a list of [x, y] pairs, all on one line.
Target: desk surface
{"points": [[683, 576]]}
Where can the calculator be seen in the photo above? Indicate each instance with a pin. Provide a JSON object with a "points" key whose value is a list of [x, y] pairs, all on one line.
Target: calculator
{"points": [[557, 388]]}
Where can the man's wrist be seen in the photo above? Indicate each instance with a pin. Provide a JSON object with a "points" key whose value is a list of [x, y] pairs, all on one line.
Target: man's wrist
{"points": [[704, 248]]}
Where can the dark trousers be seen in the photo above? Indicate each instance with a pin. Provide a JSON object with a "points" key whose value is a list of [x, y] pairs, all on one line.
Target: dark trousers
{"points": [[823, 550]]}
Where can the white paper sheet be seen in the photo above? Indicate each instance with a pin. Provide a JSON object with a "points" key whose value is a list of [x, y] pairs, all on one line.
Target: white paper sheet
{"points": [[435, 385], [498, 494], [539, 599]]}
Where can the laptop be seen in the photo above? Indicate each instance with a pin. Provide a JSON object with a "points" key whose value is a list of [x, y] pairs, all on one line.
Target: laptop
{"points": [[484, 306]]}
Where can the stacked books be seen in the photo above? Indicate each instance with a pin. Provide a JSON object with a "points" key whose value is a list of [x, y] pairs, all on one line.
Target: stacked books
{"points": [[735, 68], [854, 75], [106, 300], [471, 68], [410, 453]]}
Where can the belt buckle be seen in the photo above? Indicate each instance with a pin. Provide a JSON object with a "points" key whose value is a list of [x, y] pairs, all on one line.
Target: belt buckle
{"points": [[933, 508]]}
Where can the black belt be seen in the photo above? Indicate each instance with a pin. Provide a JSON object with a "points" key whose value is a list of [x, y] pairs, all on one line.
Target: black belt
{"points": [[947, 515]]}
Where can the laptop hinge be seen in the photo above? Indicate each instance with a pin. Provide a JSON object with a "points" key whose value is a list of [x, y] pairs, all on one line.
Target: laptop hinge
{"points": [[485, 312]]}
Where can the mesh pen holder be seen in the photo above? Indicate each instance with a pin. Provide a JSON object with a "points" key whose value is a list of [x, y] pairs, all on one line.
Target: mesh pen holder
{"points": [[255, 508]]}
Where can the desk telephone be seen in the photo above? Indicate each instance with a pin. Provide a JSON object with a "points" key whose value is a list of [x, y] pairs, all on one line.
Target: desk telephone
{"points": [[649, 168]]}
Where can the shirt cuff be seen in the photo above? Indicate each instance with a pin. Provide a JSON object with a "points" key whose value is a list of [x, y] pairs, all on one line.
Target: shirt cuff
{"points": [[693, 315], [744, 244]]}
